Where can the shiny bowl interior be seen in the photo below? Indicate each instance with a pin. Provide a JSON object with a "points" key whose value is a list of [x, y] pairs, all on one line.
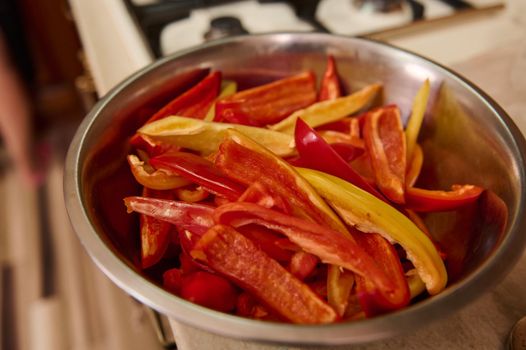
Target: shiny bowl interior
{"points": [[467, 138]]}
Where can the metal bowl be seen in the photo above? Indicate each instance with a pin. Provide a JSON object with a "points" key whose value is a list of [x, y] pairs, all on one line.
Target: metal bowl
{"points": [[467, 138]]}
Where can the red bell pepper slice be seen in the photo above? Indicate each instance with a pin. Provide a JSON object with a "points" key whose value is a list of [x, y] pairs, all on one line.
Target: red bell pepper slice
{"points": [[231, 254], [269, 103], [155, 233], [330, 246], [330, 84], [258, 193], [195, 102], [196, 218], [173, 280], [247, 162], [317, 154], [303, 264], [269, 242], [191, 220], [201, 171], [347, 151], [201, 287], [150, 146], [374, 301], [385, 142], [422, 200], [248, 306], [209, 290]]}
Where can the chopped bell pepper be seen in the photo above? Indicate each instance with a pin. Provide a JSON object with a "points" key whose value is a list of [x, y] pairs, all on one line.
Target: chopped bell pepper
{"points": [[150, 146], [332, 247], [156, 179], [302, 264], [414, 166], [423, 200], [200, 171], [195, 102], [338, 298], [338, 137], [330, 83], [205, 137], [385, 143], [417, 116], [245, 161], [372, 300], [347, 151], [194, 217], [231, 254], [228, 88], [209, 290], [317, 154], [248, 162], [325, 112], [192, 195], [258, 193], [269, 103], [155, 233], [369, 214], [416, 285], [276, 246]]}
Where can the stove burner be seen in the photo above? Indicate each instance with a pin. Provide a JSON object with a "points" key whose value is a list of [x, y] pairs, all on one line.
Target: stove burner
{"points": [[379, 5], [221, 27]]}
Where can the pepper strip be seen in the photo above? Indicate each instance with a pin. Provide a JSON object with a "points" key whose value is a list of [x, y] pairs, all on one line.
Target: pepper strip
{"points": [[417, 116], [205, 137], [194, 217], [369, 214], [329, 245], [372, 300], [330, 83], [414, 166], [325, 112], [316, 153], [200, 171], [155, 233], [231, 254], [423, 200], [268, 103], [247, 162], [156, 179], [385, 142], [195, 102]]}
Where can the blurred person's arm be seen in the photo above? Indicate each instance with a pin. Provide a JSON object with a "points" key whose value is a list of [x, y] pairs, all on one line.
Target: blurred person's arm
{"points": [[15, 116]]}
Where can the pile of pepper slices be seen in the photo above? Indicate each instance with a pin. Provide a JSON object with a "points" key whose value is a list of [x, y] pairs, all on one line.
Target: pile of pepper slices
{"points": [[287, 203]]}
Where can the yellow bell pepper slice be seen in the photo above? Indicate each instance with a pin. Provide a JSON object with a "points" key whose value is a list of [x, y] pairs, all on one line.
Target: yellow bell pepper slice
{"points": [[415, 120], [369, 214], [325, 112], [205, 137]]}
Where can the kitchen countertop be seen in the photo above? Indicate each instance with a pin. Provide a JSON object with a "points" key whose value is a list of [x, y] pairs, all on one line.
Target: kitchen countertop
{"points": [[490, 51]]}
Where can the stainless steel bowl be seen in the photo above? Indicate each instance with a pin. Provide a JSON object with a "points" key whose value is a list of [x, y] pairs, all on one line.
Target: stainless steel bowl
{"points": [[467, 138]]}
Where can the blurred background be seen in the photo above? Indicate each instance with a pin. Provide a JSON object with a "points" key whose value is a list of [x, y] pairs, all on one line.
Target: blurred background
{"points": [[58, 57]]}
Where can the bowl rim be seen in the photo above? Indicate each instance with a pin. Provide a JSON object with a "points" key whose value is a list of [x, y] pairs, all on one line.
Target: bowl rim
{"points": [[424, 312]]}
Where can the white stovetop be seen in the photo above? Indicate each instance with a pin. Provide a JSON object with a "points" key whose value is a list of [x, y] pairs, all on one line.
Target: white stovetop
{"points": [[114, 47], [490, 50]]}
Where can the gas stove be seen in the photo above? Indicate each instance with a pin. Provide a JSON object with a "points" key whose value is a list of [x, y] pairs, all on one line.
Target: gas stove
{"points": [[171, 25]]}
